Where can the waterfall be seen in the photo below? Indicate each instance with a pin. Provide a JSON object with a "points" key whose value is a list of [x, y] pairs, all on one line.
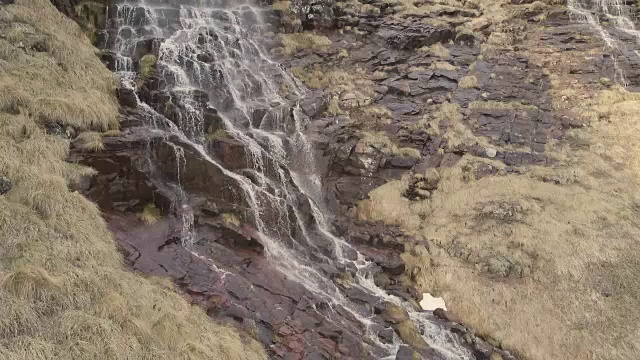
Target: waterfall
{"points": [[617, 13], [211, 49]]}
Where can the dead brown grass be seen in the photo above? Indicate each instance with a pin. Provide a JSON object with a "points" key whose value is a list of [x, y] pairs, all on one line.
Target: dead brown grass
{"points": [[545, 263], [90, 141], [292, 43], [468, 82], [51, 75], [64, 292]]}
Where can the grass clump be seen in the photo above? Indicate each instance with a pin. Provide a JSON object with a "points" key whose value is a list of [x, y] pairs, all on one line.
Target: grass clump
{"points": [[148, 65], [89, 141], [150, 214], [281, 5], [437, 50], [292, 43], [442, 65], [64, 292], [334, 80], [231, 219], [333, 109], [468, 82]]}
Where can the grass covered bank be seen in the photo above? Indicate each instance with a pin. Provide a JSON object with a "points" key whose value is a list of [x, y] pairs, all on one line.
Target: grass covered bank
{"points": [[64, 292]]}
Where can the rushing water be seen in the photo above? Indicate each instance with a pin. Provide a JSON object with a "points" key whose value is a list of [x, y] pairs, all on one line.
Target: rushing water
{"points": [[212, 47], [617, 13]]}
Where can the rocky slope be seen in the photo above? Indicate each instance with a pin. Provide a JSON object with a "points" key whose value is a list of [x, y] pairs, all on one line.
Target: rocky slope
{"points": [[64, 292], [492, 126], [476, 150]]}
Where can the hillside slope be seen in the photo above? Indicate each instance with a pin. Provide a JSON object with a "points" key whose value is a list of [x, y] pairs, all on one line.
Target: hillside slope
{"points": [[492, 131], [64, 293]]}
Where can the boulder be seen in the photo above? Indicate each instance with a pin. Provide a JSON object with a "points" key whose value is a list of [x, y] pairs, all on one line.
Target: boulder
{"points": [[5, 185], [405, 353]]}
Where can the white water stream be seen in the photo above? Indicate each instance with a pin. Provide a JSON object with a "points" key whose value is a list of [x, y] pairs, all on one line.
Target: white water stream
{"points": [[212, 47], [617, 13]]}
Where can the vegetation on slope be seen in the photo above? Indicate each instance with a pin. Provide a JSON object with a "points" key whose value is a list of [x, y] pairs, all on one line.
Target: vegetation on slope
{"points": [[544, 262], [64, 292]]}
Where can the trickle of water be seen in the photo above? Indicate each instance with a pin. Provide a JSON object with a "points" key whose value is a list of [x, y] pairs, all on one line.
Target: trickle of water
{"points": [[617, 12], [209, 49]]}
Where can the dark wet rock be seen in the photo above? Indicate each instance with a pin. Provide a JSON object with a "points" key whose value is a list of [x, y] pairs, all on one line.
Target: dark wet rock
{"points": [[90, 15], [409, 36], [315, 104], [127, 97], [445, 315], [230, 152], [386, 335], [5, 185], [406, 162], [482, 350], [405, 353]]}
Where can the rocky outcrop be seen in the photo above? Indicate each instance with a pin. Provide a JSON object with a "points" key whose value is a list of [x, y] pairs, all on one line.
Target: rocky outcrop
{"points": [[89, 14], [5, 185]]}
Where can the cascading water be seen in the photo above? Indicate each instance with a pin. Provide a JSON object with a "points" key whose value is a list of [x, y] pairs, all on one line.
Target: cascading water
{"points": [[210, 49], [617, 13]]}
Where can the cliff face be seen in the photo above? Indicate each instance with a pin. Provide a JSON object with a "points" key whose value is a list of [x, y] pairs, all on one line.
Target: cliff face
{"points": [[64, 293]]}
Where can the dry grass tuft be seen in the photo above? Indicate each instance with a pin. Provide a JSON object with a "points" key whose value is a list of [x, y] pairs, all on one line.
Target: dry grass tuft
{"points": [[335, 80], [53, 77], [148, 65], [436, 50], [281, 5], [442, 65], [89, 141], [468, 82], [231, 219], [292, 43], [64, 292], [150, 215]]}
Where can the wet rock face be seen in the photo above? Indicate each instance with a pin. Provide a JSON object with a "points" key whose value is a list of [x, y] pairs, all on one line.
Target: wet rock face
{"points": [[288, 319], [403, 35], [198, 155], [90, 15]]}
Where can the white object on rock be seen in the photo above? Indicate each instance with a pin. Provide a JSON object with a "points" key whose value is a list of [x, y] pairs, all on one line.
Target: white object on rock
{"points": [[491, 152], [430, 303]]}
